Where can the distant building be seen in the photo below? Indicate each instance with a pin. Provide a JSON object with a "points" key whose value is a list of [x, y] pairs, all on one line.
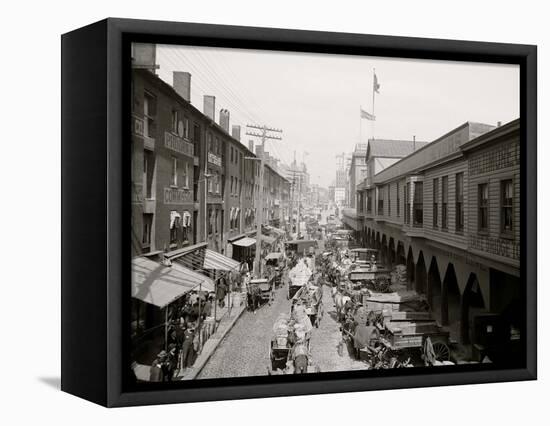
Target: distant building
{"points": [[357, 172]]}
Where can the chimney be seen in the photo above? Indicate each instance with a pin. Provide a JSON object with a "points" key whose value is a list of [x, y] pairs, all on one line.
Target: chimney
{"points": [[499, 123], [144, 56], [259, 152], [236, 132], [182, 84], [251, 146], [224, 119], [209, 106]]}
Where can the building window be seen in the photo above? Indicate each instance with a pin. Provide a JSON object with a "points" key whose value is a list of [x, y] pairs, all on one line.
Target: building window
{"points": [[209, 142], [174, 225], [174, 175], [209, 180], [217, 183], [483, 207], [397, 196], [444, 194], [380, 210], [185, 127], [146, 232], [369, 201], [186, 176], [149, 111], [506, 206], [389, 200], [232, 154], [459, 202], [408, 203], [196, 138], [418, 204], [175, 121], [186, 224], [435, 202], [211, 218], [148, 171]]}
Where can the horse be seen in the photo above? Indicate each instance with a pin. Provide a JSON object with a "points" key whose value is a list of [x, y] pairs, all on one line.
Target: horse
{"points": [[300, 355], [343, 303], [253, 297]]}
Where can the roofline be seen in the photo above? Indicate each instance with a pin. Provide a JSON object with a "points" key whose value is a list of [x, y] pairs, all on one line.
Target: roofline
{"points": [[492, 135], [487, 137], [156, 79]]}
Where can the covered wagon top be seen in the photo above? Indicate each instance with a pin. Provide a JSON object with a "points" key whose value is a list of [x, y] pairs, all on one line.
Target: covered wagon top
{"points": [[273, 256]]}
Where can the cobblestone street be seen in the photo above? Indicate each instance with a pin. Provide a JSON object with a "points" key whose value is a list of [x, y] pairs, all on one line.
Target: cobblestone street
{"points": [[325, 340], [245, 350]]}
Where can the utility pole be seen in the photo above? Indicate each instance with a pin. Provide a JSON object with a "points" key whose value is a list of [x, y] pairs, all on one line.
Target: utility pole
{"points": [[263, 136], [293, 188]]}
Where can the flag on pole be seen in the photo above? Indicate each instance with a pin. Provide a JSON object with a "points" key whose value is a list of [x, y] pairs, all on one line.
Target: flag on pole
{"points": [[365, 114], [375, 84]]}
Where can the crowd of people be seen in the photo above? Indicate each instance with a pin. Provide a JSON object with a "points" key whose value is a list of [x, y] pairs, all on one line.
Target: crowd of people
{"points": [[190, 323]]}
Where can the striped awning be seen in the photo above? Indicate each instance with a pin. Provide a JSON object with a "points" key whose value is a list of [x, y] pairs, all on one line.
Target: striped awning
{"points": [[219, 262], [161, 285]]}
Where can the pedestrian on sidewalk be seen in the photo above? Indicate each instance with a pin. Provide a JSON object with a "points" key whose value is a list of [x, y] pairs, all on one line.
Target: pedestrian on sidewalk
{"points": [[221, 291], [187, 350], [156, 373]]}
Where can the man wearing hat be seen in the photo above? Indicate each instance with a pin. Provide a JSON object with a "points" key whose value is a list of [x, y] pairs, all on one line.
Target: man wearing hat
{"points": [[156, 373], [187, 350]]}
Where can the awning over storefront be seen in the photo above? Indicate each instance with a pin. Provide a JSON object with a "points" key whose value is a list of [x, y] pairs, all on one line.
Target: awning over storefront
{"points": [[219, 262], [161, 285], [199, 257], [245, 242]]}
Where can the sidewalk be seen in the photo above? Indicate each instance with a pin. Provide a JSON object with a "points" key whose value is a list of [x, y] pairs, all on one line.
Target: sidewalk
{"points": [[225, 324]]}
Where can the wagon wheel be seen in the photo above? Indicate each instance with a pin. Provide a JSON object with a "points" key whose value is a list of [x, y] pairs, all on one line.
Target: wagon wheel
{"points": [[441, 351]]}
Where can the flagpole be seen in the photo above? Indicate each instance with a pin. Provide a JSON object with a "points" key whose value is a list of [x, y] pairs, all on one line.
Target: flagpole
{"points": [[373, 92], [360, 124]]}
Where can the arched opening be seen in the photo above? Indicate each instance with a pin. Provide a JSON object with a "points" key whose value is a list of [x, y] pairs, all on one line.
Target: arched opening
{"points": [[377, 244], [472, 305], [410, 269], [384, 251], [391, 256], [421, 276], [451, 303], [400, 255], [369, 241], [434, 290]]}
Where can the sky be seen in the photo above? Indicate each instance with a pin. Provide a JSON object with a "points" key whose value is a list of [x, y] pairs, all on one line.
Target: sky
{"points": [[315, 98]]}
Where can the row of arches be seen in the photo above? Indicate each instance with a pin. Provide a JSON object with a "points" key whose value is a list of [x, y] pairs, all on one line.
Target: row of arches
{"points": [[450, 306]]}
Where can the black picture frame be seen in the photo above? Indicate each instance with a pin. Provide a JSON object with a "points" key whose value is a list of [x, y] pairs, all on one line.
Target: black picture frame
{"points": [[95, 181]]}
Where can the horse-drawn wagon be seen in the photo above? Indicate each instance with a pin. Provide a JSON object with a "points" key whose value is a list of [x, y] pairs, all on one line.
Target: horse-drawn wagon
{"points": [[298, 277], [406, 324], [311, 297], [274, 263], [289, 346], [260, 290]]}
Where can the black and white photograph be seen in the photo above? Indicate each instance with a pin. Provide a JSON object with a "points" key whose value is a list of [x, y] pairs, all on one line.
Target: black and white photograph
{"points": [[309, 213]]}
